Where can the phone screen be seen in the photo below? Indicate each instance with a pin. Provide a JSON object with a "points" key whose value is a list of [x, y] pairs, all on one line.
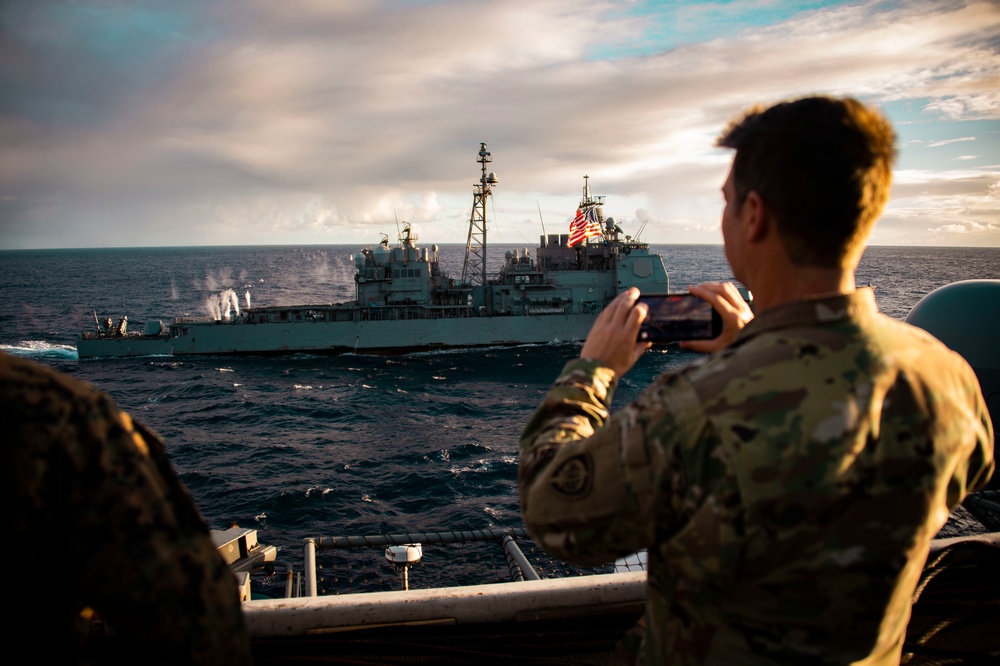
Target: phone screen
{"points": [[678, 317]]}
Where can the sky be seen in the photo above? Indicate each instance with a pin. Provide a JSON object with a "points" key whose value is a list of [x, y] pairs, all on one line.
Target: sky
{"points": [[128, 123]]}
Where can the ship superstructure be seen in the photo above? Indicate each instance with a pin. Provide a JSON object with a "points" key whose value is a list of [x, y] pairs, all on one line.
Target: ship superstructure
{"points": [[405, 302]]}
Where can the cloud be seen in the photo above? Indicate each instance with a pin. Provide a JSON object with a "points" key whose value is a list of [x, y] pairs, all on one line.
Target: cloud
{"points": [[955, 207], [315, 122], [937, 144], [966, 228]]}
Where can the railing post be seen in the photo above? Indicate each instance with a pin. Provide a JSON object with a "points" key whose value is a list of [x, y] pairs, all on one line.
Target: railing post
{"points": [[516, 557], [309, 557]]}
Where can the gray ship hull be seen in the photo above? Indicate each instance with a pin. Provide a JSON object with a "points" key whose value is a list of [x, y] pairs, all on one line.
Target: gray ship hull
{"points": [[373, 337]]}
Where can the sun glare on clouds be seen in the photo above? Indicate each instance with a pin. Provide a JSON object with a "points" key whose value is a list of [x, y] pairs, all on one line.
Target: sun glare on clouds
{"points": [[316, 122]]}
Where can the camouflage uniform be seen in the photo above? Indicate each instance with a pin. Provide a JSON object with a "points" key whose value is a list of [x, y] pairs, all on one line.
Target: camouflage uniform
{"points": [[100, 521], [786, 487]]}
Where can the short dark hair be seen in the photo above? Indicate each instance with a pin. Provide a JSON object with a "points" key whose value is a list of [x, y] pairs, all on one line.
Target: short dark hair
{"points": [[822, 166]]}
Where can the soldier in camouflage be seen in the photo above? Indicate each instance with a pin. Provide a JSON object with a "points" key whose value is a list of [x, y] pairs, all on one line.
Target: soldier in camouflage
{"points": [[106, 535], [787, 485]]}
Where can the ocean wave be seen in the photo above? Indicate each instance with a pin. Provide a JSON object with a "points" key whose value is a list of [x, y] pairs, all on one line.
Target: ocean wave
{"points": [[42, 350]]}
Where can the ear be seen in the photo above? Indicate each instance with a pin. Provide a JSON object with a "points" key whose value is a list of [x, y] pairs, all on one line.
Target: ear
{"points": [[757, 221]]}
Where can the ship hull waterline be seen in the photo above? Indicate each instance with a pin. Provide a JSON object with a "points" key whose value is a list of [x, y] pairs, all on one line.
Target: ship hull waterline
{"points": [[370, 337]]}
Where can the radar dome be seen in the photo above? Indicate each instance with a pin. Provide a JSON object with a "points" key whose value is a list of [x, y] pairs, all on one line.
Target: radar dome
{"points": [[965, 316]]}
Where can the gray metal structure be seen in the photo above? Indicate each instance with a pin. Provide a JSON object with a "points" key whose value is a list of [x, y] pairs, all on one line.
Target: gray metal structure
{"points": [[405, 302]]}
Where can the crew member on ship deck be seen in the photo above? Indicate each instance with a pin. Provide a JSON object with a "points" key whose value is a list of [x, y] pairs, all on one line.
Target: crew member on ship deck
{"points": [[786, 486]]}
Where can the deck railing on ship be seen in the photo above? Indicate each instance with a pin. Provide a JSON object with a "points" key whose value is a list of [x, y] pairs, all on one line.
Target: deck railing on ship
{"points": [[518, 565]]}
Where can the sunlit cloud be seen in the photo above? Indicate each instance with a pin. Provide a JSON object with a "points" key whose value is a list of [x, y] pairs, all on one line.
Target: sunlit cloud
{"points": [[317, 122], [946, 142], [957, 207]]}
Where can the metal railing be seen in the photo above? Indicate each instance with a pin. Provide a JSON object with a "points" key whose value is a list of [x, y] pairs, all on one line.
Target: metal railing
{"points": [[517, 564]]}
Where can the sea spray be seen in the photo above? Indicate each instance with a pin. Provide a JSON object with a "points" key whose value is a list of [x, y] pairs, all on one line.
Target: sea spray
{"points": [[224, 305]]}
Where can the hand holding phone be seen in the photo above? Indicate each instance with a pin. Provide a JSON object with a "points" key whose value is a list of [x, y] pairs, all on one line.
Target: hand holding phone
{"points": [[680, 316]]}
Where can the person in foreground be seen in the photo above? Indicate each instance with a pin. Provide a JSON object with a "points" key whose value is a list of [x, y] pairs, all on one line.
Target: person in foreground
{"points": [[104, 530], [788, 484]]}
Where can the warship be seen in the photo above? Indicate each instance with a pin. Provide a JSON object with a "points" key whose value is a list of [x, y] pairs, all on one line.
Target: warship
{"points": [[405, 302]]}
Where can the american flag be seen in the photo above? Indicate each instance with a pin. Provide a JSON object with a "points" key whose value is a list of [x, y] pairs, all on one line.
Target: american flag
{"points": [[584, 225]]}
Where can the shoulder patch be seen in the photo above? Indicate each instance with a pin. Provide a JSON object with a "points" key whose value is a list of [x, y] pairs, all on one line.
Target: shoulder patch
{"points": [[573, 477]]}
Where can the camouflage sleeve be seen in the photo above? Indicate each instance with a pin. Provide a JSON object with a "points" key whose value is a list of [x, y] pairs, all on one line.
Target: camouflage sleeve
{"points": [[578, 403], [154, 575], [977, 471], [94, 491], [582, 498]]}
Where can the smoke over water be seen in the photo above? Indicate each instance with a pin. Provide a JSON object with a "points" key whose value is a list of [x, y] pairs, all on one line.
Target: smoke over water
{"points": [[224, 305]]}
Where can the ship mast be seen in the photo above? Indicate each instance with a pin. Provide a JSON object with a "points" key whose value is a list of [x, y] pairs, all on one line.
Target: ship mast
{"points": [[590, 201], [475, 246]]}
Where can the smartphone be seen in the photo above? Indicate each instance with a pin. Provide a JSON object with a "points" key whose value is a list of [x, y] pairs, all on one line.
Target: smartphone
{"points": [[675, 317]]}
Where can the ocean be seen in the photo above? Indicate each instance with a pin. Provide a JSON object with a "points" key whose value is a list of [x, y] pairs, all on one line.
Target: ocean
{"points": [[308, 446]]}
